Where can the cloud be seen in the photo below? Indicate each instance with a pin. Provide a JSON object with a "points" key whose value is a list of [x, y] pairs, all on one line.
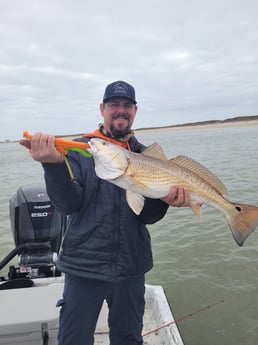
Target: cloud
{"points": [[188, 61]]}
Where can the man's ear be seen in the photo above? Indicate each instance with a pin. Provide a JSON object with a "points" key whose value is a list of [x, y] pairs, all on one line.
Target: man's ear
{"points": [[101, 108]]}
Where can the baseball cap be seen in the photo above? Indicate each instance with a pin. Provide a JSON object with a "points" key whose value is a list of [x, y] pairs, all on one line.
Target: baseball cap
{"points": [[119, 89]]}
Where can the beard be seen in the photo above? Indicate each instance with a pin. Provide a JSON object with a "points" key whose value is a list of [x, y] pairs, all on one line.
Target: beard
{"points": [[119, 133]]}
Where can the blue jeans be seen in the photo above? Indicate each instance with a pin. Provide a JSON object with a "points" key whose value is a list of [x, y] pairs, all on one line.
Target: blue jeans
{"points": [[81, 305]]}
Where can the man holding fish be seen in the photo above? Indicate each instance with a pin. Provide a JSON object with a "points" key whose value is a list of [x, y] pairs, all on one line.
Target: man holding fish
{"points": [[106, 249]]}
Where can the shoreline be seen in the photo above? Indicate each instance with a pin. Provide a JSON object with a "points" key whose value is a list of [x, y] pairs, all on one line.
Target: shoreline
{"points": [[190, 126], [193, 126], [179, 127]]}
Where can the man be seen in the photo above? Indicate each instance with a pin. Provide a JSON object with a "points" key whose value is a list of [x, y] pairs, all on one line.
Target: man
{"points": [[106, 249]]}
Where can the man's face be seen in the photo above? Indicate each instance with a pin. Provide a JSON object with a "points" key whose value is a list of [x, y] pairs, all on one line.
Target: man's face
{"points": [[118, 114]]}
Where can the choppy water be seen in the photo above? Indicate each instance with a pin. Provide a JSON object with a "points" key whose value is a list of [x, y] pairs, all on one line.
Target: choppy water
{"points": [[196, 260]]}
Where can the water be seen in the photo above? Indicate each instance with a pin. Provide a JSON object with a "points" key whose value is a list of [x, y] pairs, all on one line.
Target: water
{"points": [[196, 260]]}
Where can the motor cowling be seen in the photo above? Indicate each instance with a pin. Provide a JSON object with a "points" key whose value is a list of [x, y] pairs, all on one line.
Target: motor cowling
{"points": [[37, 226]]}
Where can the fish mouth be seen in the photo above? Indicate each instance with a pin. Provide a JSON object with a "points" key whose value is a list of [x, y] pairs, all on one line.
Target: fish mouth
{"points": [[93, 149]]}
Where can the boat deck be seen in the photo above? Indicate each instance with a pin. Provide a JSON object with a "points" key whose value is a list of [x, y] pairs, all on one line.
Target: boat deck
{"points": [[27, 313], [157, 316]]}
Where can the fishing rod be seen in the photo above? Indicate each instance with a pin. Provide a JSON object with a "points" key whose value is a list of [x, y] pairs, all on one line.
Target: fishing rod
{"points": [[186, 316]]}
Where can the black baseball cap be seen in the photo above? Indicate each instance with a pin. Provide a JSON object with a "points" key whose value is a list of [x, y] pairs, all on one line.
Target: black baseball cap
{"points": [[119, 89]]}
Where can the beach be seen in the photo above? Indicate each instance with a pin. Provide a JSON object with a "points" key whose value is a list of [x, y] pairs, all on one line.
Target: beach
{"points": [[193, 126], [190, 126]]}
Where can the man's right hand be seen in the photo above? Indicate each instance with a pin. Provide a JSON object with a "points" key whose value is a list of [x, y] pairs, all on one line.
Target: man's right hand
{"points": [[42, 148]]}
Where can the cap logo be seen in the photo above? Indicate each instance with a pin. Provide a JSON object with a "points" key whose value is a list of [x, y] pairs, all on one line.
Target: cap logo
{"points": [[120, 88]]}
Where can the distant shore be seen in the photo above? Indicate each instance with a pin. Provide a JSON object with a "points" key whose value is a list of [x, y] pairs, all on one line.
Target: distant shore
{"points": [[192, 126], [231, 122]]}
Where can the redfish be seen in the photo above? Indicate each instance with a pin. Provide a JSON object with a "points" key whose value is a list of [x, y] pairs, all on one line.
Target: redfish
{"points": [[150, 174]]}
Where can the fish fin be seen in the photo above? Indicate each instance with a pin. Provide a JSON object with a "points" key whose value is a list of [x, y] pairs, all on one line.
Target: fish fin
{"points": [[135, 201], [154, 151], [202, 172], [242, 222], [196, 208]]}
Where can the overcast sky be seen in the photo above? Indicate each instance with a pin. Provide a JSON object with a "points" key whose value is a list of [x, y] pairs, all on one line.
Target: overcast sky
{"points": [[189, 60]]}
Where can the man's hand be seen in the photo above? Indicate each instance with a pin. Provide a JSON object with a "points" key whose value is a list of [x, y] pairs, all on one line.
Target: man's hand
{"points": [[177, 197], [42, 148]]}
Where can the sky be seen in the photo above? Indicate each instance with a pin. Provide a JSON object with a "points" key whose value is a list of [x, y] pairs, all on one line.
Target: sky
{"points": [[189, 60]]}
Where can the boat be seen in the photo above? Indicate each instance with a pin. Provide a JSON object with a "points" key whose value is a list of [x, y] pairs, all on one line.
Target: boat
{"points": [[29, 293]]}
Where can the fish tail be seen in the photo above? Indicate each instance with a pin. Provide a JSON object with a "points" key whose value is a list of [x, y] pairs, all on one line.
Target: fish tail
{"points": [[242, 222]]}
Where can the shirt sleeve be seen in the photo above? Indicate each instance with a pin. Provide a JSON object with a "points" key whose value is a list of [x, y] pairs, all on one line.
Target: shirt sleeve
{"points": [[153, 210], [65, 193]]}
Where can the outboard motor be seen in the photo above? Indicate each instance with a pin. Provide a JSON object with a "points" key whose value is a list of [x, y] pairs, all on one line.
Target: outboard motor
{"points": [[37, 229]]}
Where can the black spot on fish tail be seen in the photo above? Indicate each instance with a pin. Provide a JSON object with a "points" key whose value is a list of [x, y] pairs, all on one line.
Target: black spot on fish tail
{"points": [[242, 223]]}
